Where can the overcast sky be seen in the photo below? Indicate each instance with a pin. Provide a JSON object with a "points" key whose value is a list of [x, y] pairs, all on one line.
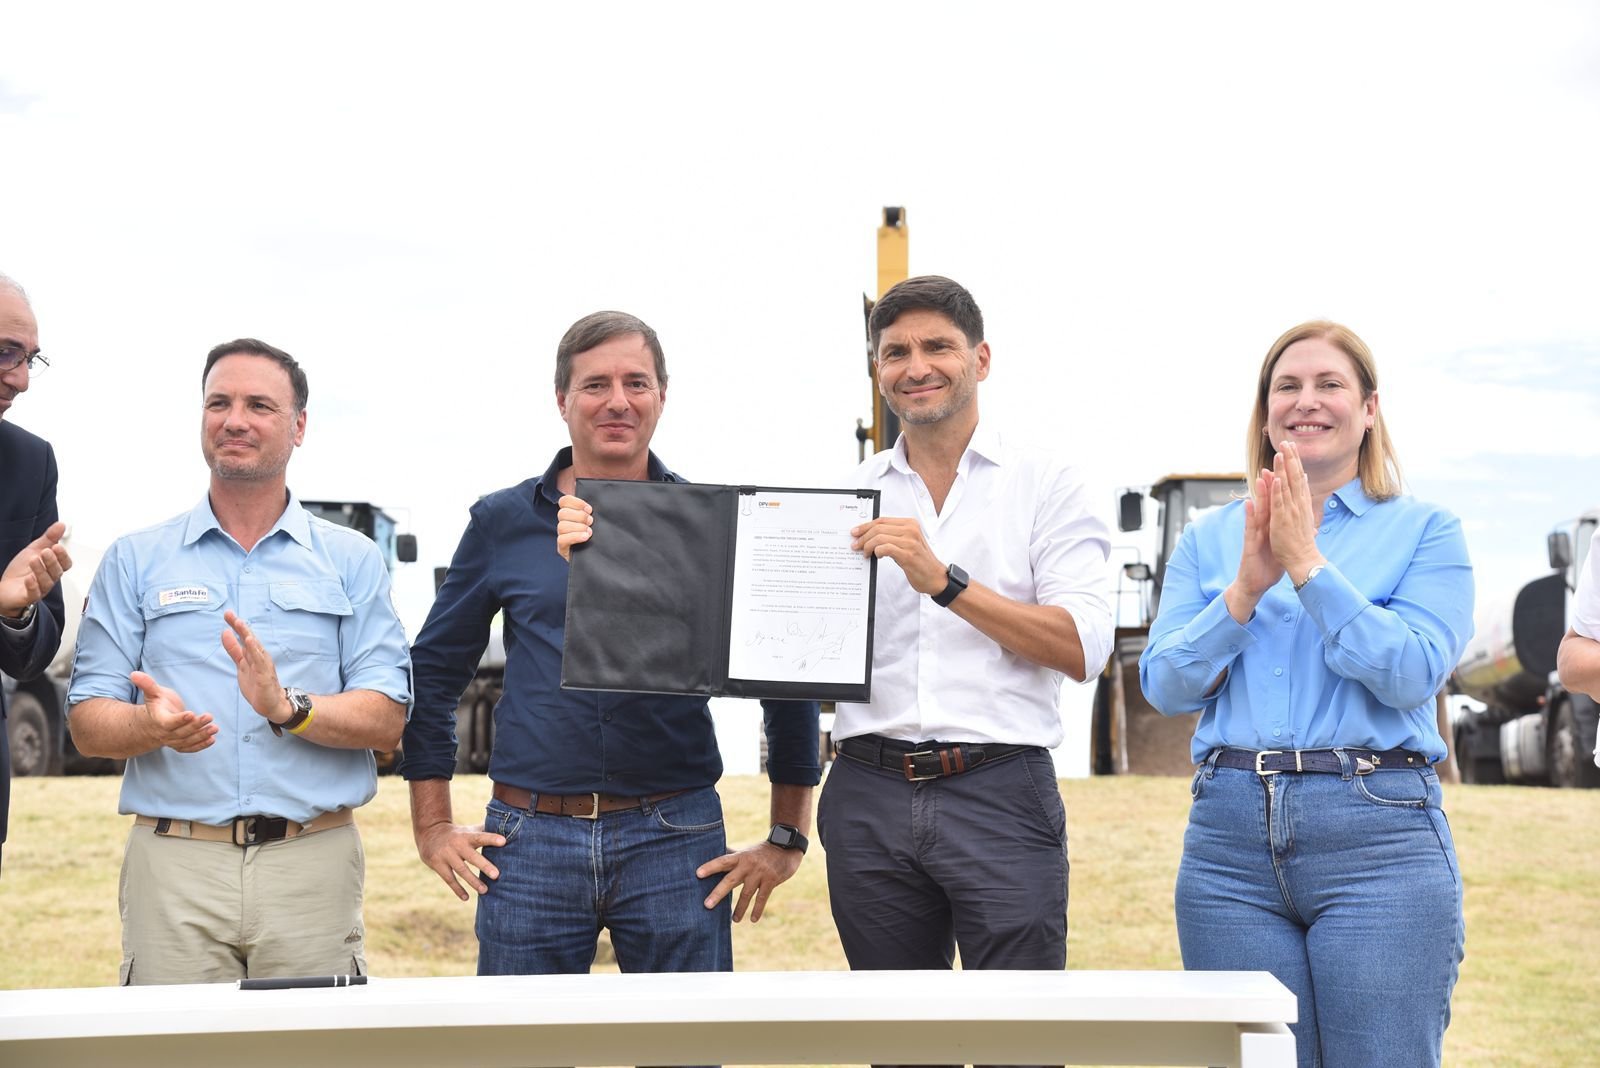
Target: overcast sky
{"points": [[416, 200]]}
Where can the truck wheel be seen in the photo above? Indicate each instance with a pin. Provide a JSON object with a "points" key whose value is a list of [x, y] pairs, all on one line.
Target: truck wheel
{"points": [[1572, 749], [1476, 768], [33, 745], [1100, 762]]}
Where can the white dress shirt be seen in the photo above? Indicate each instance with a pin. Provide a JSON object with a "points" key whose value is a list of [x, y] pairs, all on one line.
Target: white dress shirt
{"points": [[1585, 604], [1019, 522]]}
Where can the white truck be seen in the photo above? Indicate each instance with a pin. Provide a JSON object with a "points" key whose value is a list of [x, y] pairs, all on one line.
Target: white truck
{"points": [[1530, 728]]}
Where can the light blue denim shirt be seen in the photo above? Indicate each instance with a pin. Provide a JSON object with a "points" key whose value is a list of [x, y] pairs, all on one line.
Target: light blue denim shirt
{"points": [[315, 593], [1354, 659]]}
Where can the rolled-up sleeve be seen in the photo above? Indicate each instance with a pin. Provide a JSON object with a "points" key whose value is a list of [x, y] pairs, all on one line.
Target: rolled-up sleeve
{"points": [[446, 654], [1068, 549], [793, 742], [1586, 604], [372, 641], [110, 634]]}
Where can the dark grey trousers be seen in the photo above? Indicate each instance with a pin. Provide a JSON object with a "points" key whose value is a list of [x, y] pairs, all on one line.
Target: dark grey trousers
{"points": [[976, 861]]}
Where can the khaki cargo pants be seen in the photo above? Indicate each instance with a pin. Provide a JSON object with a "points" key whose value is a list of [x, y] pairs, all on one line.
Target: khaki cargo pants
{"points": [[205, 912]]}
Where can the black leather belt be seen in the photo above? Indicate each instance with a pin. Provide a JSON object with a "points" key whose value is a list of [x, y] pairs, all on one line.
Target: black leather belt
{"points": [[921, 761], [1278, 761]]}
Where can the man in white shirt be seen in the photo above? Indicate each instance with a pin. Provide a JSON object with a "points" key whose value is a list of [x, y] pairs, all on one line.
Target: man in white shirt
{"points": [[942, 820], [1579, 658]]}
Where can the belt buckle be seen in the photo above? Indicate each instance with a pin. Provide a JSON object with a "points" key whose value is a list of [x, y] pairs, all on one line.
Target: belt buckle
{"points": [[594, 813], [1261, 757], [258, 829], [908, 765]]}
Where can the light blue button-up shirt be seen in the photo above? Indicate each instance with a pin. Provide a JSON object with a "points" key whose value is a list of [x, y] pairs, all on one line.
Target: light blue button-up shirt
{"points": [[315, 593], [1354, 659]]}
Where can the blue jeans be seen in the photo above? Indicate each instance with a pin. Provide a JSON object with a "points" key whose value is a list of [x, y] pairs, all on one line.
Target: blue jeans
{"points": [[562, 879], [1344, 887]]}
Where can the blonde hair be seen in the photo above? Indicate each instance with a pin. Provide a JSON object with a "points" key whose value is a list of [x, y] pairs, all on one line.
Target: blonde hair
{"points": [[1377, 466]]}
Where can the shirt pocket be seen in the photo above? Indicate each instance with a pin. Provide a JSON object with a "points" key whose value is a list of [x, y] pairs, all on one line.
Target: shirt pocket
{"points": [[183, 630], [305, 617]]}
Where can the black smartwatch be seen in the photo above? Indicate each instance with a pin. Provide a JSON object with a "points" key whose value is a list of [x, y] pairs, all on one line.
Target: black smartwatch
{"points": [[953, 588], [786, 837]]}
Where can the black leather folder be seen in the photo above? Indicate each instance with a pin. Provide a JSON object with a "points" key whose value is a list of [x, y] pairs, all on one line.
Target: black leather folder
{"points": [[649, 596]]}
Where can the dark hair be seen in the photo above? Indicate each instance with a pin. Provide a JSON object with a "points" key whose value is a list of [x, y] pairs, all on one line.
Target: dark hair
{"points": [[931, 291], [596, 329], [249, 346]]}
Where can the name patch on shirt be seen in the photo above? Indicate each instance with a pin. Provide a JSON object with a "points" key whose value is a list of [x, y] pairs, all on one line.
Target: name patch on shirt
{"points": [[184, 595]]}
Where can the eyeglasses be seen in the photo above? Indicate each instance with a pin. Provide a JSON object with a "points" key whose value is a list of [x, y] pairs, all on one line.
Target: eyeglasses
{"points": [[11, 355]]}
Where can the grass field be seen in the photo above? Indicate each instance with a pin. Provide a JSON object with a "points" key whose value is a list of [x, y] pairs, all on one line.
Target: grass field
{"points": [[1527, 993]]}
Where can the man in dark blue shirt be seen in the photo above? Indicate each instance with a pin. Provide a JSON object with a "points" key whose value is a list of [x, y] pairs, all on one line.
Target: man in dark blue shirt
{"points": [[604, 810]]}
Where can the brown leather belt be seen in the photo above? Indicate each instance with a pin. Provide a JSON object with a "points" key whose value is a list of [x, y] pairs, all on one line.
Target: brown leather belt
{"points": [[579, 806], [247, 830]]}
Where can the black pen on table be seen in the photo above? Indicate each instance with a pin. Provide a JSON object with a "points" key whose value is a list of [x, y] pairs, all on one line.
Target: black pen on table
{"points": [[302, 982]]}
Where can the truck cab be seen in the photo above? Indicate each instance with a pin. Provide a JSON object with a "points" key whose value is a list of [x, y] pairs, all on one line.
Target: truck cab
{"points": [[1129, 736]]}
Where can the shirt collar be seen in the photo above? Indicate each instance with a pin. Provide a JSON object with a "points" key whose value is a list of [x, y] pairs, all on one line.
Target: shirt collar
{"points": [[294, 521], [985, 442], [545, 484], [1354, 497]]}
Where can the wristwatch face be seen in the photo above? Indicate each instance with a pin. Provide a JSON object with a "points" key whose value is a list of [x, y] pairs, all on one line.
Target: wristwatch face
{"points": [[22, 621], [299, 700], [785, 837], [956, 581]]}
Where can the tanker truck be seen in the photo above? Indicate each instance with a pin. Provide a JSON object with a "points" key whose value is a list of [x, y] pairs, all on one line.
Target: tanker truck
{"points": [[1530, 730]]}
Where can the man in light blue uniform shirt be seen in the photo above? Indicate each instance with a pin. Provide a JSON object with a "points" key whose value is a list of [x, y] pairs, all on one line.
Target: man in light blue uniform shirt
{"points": [[245, 658]]}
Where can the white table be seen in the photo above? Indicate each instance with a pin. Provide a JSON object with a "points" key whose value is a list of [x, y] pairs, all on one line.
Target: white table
{"points": [[1077, 1017]]}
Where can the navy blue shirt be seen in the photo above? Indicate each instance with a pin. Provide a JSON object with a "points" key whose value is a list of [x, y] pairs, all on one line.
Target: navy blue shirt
{"points": [[547, 739]]}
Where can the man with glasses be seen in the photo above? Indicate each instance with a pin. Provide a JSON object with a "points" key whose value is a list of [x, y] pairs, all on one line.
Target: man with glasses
{"points": [[245, 658], [604, 809], [30, 535]]}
